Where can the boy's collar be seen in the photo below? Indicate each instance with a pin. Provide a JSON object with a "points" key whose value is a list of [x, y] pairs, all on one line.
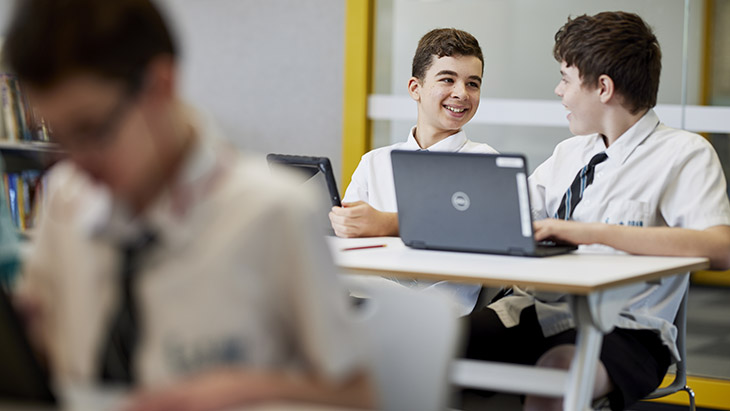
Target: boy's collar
{"points": [[202, 168], [622, 148], [451, 143]]}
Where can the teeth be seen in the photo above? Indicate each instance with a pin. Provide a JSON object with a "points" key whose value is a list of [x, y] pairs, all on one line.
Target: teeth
{"points": [[455, 110]]}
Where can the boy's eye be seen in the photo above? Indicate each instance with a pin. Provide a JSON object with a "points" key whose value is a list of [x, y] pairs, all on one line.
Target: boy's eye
{"points": [[474, 84], [447, 80]]}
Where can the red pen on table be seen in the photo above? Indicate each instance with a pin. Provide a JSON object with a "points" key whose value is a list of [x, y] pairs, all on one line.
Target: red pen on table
{"points": [[364, 247]]}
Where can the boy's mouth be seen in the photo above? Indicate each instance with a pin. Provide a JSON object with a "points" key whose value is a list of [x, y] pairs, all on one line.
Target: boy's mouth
{"points": [[455, 109]]}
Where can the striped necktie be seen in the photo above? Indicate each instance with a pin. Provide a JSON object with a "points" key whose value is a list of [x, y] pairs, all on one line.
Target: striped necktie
{"points": [[583, 179], [119, 347]]}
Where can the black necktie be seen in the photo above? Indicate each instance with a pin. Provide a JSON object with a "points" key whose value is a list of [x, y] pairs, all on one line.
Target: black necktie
{"points": [[583, 179], [118, 349]]}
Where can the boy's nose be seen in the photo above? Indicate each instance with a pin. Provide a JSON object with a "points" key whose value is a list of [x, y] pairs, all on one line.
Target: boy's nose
{"points": [[459, 90]]}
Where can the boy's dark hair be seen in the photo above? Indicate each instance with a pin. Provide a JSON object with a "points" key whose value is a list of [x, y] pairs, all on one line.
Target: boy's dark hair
{"points": [[618, 44], [51, 39], [443, 42]]}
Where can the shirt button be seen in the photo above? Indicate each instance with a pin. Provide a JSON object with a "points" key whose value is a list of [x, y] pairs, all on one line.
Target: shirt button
{"points": [[600, 174]]}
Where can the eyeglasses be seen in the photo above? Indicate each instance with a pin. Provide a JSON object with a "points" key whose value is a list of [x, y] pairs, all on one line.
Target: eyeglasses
{"points": [[100, 136]]}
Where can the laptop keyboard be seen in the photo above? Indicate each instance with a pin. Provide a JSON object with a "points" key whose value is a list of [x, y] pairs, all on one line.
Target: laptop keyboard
{"points": [[554, 243]]}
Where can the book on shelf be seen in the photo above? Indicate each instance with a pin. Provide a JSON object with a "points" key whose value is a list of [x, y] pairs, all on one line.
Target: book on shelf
{"points": [[24, 195], [18, 120]]}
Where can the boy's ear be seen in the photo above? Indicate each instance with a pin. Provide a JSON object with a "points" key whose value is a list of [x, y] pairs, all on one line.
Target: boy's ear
{"points": [[606, 89], [160, 78], [414, 88]]}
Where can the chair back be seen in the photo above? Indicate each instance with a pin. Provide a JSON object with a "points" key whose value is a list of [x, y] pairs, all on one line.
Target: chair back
{"points": [[412, 340], [680, 378]]}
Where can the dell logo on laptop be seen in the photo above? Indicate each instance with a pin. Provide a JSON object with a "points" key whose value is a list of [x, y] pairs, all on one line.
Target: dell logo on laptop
{"points": [[460, 201]]}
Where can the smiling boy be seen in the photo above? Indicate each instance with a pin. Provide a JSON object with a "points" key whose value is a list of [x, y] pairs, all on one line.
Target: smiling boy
{"points": [[628, 182], [446, 85]]}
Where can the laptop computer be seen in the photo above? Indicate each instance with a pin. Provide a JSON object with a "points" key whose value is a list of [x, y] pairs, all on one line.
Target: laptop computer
{"points": [[22, 379], [466, 202], [315, 172]]}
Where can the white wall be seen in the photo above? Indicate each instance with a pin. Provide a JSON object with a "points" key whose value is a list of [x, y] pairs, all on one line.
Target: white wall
{"points": [[5, 9], [269, 71]]}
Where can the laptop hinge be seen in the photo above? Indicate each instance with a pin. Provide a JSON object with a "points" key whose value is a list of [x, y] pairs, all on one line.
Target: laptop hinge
{"points": [[516, 251], [418, 244]]}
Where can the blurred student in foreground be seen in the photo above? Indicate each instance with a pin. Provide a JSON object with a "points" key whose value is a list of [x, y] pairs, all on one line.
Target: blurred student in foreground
{"points": [[163, 259]]}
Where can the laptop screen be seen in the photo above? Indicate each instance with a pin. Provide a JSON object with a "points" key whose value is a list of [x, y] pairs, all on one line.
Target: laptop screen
{"points": [[463, 201]]}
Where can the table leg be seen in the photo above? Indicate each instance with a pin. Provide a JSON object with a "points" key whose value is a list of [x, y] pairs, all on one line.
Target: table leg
{"points": [[581, 376]]}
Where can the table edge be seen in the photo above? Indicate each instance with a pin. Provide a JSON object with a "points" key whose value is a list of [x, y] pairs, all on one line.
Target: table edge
{"points": [[541, 286]]}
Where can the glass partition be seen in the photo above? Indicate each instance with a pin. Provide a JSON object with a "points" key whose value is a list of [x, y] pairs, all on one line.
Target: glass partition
{"points": [[519, 112]]}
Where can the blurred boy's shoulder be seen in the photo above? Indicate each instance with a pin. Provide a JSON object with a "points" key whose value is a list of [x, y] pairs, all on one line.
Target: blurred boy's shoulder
{"points": [[69, 191]]}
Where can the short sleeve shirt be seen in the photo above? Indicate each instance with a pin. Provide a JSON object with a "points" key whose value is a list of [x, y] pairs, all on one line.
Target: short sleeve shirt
{"points": [[237, 278], [655, 176], [372, 181]]}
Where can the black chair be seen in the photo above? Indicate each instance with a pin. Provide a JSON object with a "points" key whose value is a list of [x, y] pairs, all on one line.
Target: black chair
{"points": [[680, 378]]}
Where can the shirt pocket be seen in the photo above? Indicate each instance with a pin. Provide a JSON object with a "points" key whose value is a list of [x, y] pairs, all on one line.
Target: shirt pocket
{"points": [[627, 212]]}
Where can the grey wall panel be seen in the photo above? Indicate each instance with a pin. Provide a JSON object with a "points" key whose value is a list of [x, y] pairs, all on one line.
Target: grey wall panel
{"points": [[269, 71]]}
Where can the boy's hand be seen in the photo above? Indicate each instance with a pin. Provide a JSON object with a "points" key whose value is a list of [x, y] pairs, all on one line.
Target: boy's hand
{"points": [[568, 231], [214, 390], [359, 219], [225, 389]]}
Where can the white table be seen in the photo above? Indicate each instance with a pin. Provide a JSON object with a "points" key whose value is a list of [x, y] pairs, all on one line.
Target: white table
{"points": [[599, 285]]}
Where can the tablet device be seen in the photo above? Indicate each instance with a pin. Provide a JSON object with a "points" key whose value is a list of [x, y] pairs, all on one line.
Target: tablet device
{"points": [[311, 168]]}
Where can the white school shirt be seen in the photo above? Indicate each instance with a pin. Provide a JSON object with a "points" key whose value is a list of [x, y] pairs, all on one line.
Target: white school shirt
{"points": [[239, 276], [372, 182], [655, 176]]}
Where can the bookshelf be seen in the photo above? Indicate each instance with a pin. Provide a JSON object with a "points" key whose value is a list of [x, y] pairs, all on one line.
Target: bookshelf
{"points": [[26, 152], [21, 156], [23, 179]]}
